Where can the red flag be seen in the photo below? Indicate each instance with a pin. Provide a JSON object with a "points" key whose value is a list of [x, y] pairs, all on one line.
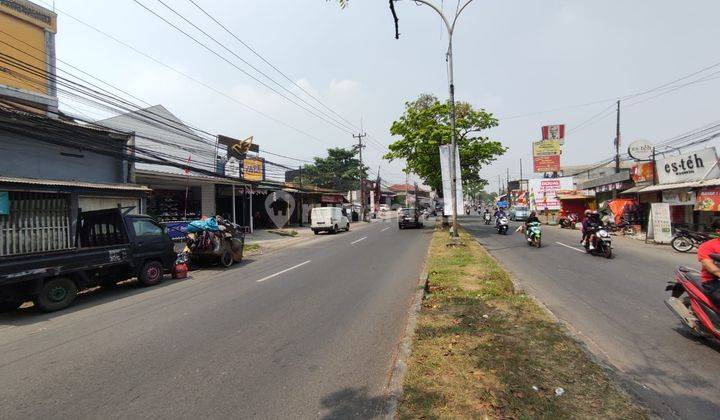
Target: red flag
{"points": [[187, 170]]}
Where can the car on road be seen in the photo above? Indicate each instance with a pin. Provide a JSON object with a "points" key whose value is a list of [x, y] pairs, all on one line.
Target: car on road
{"points": [[328, 219], [519, 213], [409, 217]]}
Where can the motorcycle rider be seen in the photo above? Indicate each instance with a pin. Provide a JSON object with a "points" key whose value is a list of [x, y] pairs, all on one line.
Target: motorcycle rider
{"points": [[590, 226], [499, 213], [532, 218], [710, 272]]}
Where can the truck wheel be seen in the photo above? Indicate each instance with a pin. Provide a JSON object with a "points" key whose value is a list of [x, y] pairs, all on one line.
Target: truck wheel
{"points": [[151, 273], [226, 259], [56, 294]]}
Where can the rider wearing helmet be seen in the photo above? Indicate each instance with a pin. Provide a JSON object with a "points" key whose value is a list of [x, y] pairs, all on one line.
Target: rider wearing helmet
{"points": [[499, 213], [710, 273]]}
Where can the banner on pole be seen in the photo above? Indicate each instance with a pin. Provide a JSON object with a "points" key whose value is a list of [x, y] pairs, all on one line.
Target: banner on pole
{"points": [[447, 182]]}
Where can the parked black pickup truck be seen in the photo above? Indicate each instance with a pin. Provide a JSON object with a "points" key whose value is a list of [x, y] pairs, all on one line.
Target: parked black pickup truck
{"points": [[110, 246]]}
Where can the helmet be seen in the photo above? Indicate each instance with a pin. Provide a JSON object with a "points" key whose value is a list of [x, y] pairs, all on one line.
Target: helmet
{"points": [[587, 212]]}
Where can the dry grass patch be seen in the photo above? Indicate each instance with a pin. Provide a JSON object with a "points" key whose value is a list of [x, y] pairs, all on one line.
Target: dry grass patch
{"points": [[482, 350]]}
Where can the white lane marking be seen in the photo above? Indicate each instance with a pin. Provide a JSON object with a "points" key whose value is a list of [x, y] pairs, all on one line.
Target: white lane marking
{"points": [[571, 247], [282, 272], [361, 239], [383, 230]]}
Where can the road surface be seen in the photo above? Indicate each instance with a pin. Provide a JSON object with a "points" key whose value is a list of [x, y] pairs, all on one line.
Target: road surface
{"points": [[616, 307], [305, 332]]}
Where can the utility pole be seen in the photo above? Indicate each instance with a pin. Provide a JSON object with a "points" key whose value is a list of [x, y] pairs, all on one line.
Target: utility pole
{"points": [[360, 136], [507, 186], [300, 212], [617, 140], [407, 193], [499, 186], [521, 179], [450, 26]]}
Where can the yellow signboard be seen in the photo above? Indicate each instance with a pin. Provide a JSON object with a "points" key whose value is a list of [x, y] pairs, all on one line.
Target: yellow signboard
{"points": [[253, 169], [547, 148], [31, 13]]}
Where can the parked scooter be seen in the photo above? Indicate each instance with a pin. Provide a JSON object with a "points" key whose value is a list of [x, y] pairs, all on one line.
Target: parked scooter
{"points": [[502, 226], [685, 240], [533, 234], [601, 242], [569, 221], [488, 218], [697, 312]]}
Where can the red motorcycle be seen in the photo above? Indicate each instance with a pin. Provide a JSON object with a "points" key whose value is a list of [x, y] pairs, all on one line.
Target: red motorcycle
{"points": [[568, 221], [692, 305]]}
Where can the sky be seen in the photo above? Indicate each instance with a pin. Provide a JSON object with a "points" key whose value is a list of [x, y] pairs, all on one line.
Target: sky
{"points": [[512, 58]]}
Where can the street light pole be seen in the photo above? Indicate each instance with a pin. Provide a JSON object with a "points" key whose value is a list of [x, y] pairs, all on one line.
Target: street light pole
{"points": [[453, 142]]}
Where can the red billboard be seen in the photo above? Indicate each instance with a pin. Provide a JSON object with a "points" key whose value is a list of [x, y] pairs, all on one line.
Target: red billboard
{"points": [[546, 163]]}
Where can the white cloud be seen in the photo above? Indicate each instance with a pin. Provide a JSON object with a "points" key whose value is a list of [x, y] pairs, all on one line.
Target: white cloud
{"points": [[344, 87]]}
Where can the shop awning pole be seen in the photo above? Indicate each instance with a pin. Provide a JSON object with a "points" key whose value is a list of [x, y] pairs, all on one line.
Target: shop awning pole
{"points": [[250, 207], [233, 203]]}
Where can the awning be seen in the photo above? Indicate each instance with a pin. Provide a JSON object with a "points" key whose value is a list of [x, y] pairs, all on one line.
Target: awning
{"points": [[571, 195], [634, 190], [74, 184], [679, 185]]}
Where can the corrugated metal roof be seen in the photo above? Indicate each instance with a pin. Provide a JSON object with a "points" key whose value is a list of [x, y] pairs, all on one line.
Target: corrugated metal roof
{"points": [[77, 184], [691, 184]]}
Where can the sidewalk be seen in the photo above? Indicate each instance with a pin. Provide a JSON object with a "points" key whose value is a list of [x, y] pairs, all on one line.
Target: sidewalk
{"points": [[265, 239]]}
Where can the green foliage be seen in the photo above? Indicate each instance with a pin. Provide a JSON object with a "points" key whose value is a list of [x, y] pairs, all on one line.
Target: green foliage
{"points": [[425, 125], [340, 170]]}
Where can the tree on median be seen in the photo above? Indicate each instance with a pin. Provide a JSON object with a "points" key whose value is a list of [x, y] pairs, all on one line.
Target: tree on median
{"points": [[425, 126]]}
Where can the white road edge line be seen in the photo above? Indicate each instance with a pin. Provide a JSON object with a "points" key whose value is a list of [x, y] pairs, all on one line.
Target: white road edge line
{"points": [[383, 230], [282, 272], [361, 239], [571, 247]]}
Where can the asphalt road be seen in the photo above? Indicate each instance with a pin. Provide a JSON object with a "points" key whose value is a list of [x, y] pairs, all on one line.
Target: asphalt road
{"points": [[616, 307], [305, 332]]}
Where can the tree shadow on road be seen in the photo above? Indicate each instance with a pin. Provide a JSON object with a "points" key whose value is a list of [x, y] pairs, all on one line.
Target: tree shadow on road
{"points": [[355, 403]]}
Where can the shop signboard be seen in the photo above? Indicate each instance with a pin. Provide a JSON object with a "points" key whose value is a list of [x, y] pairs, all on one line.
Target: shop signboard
{"points": [[693, 166], [554, 132], [4, 203], [546, 164], [659, 229], [640, 150], [253, 169], [543, 192], [547, 148], [446, 182], [642, 172], [708, 199], [679, 197], [232, 168]]}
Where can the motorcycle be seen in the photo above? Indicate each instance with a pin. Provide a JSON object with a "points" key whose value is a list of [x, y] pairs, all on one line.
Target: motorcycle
{"points": [[487, 218], [502, 226], [689, 302], [685, 239], [602, 243], [533, 234], [569, 221]]}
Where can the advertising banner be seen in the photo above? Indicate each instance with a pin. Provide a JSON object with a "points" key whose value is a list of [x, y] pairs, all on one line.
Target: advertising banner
{"points": [[446, 181], [543, 192], [642, 172], [554, 132], [546, 163], [679, 197], [708, 199], [254, 169], [692, 166], [232, 168], [659, 228], [547, 148]]}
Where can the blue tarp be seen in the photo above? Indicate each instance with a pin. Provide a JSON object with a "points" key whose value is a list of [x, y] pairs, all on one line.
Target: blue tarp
{"points": [[203, 225]]}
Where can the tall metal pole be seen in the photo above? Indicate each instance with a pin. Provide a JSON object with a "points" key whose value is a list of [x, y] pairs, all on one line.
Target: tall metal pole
{"points": [[360, 136], [453, 142], [617, 140], [521, 180]]}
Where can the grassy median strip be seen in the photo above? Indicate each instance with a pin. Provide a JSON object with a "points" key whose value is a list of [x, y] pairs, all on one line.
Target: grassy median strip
{"points": [[482, 350]]}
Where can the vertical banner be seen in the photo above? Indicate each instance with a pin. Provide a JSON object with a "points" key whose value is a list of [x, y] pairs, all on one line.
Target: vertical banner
{"points": [[447, 183], [660, 223], [4, 203]]}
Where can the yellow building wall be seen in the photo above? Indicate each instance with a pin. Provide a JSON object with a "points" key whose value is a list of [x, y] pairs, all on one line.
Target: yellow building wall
{"points": [[28, 41]]}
